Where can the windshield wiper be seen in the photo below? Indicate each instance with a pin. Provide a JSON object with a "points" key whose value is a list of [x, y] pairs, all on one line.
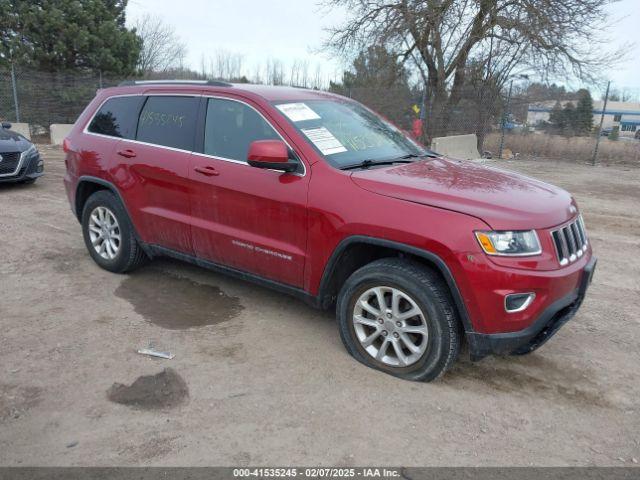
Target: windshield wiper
{"points": [[390, 161], [370, 163]]}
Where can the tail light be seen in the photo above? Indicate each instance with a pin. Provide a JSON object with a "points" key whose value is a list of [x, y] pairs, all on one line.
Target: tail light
{"points": [[66, 146]]}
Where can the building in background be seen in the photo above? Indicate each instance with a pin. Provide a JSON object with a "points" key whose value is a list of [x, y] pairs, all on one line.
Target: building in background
{"points": [[625, 115]]}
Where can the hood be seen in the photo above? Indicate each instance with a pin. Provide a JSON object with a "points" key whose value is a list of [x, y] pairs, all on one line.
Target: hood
{"points": [[502, 199], [12, 141]]}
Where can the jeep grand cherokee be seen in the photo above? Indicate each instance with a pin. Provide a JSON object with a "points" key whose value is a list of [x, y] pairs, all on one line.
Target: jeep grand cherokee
{"points": [[317, 196]]}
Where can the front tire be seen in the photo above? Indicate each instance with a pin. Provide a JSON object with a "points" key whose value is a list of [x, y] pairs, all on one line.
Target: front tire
{"points": [[109, 235], [397, 316]]}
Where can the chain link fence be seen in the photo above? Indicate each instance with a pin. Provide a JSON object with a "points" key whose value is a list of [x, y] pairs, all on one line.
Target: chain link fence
{"points": [[517, 122], [42, 98], [508, 122]]}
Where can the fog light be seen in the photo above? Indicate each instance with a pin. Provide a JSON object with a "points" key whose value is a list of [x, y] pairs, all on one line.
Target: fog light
{"points": [[40, 166], [517, 302]]}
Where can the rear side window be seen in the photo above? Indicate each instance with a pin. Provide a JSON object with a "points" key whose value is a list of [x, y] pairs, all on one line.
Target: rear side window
{"points": [[231, 127], [117, 117], [169, 121]]}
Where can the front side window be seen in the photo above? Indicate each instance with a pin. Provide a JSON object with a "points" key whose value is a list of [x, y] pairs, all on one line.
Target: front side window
{"points": [[117, 117], [169, 121], [347, 134], [231, 127]]}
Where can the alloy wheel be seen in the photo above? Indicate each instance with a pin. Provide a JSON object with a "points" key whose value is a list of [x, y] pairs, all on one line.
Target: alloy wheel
{"points": [[390, 326], [104, 232]]}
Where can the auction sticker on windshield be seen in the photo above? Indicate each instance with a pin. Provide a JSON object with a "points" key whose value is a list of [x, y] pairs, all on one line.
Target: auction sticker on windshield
{"points": [[298, 112], [324, 140]]}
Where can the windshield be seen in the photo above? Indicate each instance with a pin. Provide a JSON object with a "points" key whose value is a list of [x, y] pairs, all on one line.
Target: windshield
{"points": [[347, 134]]}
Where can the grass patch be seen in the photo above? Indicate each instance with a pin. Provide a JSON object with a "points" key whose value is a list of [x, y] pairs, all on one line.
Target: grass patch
{"points": [[574, 149]]}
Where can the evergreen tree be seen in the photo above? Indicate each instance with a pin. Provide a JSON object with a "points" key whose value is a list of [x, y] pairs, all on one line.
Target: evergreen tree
{"points": [[570, 119], [584, 113], [55, 35], [540, 92], [557, 118], [373, 68], [380, 81]]}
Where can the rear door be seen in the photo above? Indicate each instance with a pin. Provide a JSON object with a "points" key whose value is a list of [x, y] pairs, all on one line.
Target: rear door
{"points": [[248, 218], [116, 119], [157, 165]]}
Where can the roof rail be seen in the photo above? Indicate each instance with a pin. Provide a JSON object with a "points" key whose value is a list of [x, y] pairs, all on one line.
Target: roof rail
{"points": [[213, 83]]}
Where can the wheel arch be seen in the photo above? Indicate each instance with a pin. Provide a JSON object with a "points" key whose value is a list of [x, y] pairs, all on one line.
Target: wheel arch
{"points": [[87, 186], [356, 251]]}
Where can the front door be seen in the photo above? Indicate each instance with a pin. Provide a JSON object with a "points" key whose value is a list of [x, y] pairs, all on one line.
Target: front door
{"points": [[244, 217]]}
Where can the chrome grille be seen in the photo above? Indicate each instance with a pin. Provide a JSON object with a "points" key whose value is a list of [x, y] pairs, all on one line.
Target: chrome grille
{"points": [[9, 162], [570, 241]]}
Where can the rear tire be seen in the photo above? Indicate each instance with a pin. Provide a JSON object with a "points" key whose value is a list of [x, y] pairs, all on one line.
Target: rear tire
{"points": [[418, 321], [109, 235]]}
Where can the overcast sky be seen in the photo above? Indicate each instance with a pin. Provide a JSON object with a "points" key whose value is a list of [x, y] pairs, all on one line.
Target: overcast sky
{"points": [[292, 30]]}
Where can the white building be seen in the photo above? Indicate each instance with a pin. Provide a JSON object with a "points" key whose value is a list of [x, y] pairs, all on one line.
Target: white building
{"points": [[625, 115]]}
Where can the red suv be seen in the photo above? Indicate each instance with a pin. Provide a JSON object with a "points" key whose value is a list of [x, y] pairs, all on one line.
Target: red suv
{"points": [[317, 196]]}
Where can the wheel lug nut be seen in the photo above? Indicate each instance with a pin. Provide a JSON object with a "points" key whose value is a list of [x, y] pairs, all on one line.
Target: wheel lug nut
{"points": [[380, 321], [384, 333], [396, 335], [388, 315], [398, 324]]}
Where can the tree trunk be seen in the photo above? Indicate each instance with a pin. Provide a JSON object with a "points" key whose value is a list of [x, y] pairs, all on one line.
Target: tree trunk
{"points": [[438, 111]]}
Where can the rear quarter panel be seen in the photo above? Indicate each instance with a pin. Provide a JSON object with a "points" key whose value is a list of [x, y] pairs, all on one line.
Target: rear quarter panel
{"points": [[89, 154]]}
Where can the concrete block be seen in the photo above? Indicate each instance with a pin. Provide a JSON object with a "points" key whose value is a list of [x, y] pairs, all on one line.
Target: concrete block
{"points": [[59, 131], [462, 147]]}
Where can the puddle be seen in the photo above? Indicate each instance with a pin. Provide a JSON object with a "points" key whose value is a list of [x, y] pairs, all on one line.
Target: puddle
{"points": [[175, 302], [166, 389]]}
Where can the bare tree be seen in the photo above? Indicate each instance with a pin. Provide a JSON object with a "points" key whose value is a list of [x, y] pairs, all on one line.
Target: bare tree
{"points": [[257, 73], [294, 75], [443, 37], [318, 78], [304, 74], [274, 72], [203, 65], [624, 94], [162, 49], [227, 65]]}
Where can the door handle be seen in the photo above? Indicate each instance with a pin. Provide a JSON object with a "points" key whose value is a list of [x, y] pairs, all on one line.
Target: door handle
{"points": [[127, 153], [208, 171]]}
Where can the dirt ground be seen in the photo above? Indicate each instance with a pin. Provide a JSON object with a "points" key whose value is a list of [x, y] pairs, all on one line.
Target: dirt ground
{"points": [[261, 379]]}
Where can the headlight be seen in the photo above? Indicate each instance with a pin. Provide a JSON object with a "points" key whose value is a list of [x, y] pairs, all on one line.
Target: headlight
{"points": [[517, 243], [30, 151]]}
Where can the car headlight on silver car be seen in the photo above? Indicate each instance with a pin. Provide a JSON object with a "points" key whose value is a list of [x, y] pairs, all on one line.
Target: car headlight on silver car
{"points": [[517, 243]]}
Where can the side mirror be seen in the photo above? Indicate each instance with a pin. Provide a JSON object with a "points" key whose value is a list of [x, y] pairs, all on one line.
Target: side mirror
{"points": [[272, 154], [6, 125]]}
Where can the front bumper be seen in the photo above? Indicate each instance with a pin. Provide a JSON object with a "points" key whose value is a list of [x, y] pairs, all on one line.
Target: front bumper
{"points": [[31, 168], [544, 327]]}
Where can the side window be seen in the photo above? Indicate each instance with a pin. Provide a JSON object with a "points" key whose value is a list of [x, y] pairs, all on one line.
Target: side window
{"points": [[117, 117], [231, 127], [169, 121]]}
